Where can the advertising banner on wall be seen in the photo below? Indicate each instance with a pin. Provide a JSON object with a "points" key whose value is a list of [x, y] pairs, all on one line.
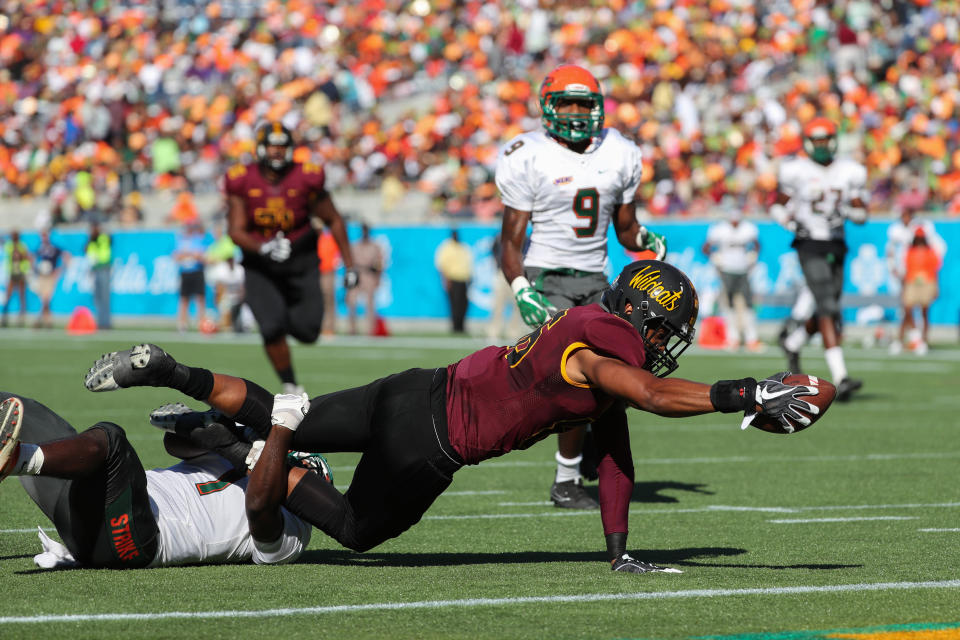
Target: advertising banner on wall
{"points": [[145, 277]]}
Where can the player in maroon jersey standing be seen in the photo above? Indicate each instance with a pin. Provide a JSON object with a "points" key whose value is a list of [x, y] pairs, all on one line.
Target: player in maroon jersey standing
{"points": [[271, 203], [416, 428]]}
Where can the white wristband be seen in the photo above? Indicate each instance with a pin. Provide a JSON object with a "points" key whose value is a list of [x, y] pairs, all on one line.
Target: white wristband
{"points": [[641, 237], [519, 283]]}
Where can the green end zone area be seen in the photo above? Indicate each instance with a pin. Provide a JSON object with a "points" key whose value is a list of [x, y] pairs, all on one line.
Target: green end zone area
{"points": [[852, 525]]}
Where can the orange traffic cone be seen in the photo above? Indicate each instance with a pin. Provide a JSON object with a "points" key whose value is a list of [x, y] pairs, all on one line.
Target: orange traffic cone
{"points": [[81, 322], [713, 333]]}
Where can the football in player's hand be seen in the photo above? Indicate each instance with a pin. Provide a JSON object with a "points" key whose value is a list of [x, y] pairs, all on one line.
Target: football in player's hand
{"points": [[822, 400]]}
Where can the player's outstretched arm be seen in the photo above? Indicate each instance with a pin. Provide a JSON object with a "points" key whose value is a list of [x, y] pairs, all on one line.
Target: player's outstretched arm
{"points": [[267, 488], [673, 397], [677, 398]]}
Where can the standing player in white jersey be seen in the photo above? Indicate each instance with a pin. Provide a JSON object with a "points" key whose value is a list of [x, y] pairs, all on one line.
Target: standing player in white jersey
{"points": [[111, 513], [817, 194], [569, 181], [733, 246]]}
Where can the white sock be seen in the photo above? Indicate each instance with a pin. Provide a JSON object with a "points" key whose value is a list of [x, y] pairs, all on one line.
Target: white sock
{"points": [[568, 468], [29, 461], [795, 341], [838, 368]]}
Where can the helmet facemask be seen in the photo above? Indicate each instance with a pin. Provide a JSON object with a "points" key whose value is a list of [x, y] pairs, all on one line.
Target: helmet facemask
{"points": [[573, 127], [663, 341], [663, 310], [821, 149], [274, 136]]}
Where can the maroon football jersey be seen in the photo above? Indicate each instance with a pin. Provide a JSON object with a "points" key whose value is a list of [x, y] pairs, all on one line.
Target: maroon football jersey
{"points": [[505, 398], [284, 206]]}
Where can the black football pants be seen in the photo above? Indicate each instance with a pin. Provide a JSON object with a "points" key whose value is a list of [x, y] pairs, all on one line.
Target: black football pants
{"points": [[399, 424]]}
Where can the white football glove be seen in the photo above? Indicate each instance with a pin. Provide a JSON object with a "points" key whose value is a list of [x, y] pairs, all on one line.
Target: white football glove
{"points": [[289, 410], [256, 448], [277, 249]]}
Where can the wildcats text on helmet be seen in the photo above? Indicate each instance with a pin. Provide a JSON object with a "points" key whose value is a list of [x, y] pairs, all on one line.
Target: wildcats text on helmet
{"points": [[648, 279]]}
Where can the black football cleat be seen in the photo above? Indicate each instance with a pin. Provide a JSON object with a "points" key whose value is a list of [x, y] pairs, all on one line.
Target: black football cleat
{"points": [[177, 417], [572, 495], [846, 388], [144, 365]]}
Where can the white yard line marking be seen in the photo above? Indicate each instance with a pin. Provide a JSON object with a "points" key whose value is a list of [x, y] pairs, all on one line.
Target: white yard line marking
{"points": [[818, 520], [713, 508], [721, 507], [31, 530], [869, 457], [939, 530], [483, 602], [472, 493]]}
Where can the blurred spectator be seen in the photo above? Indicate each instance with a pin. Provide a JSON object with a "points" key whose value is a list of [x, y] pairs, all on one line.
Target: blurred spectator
{"points": [[226, 276], [47, 267], [190, 253], [900, 235], [368, 261], [329, 254], [142, 97], [17, 261], [733, 246], [920, 289], [131, 214], [99, 252], [505, 319], [454, 261], [184, 211]]}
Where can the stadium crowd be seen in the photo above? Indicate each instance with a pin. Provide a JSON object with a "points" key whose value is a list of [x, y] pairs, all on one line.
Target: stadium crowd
{"points": [[100, 102]]}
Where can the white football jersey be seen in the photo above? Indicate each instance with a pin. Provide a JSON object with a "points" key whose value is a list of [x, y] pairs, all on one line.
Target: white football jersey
{"points": [[818, 194], [733, 248], [571, 196], [202, 517]]}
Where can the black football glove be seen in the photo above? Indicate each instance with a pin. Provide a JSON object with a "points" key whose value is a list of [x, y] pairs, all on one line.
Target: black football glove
{"points": [[782, 401], [351, 278], [627, 564]]}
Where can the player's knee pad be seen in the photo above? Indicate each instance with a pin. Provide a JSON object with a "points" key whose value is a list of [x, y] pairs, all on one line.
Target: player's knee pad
{"points": [[117, 443], [828, 306], [317, 502], [272, 332], [305, 333]]}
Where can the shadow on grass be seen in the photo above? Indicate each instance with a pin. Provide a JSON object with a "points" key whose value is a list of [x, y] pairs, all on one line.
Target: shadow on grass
{"points": [[650, 492], [348, 558], [692, 557]]}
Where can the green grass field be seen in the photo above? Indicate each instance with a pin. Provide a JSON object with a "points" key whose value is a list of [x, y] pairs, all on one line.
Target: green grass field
{"points": [[852, 524]]}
